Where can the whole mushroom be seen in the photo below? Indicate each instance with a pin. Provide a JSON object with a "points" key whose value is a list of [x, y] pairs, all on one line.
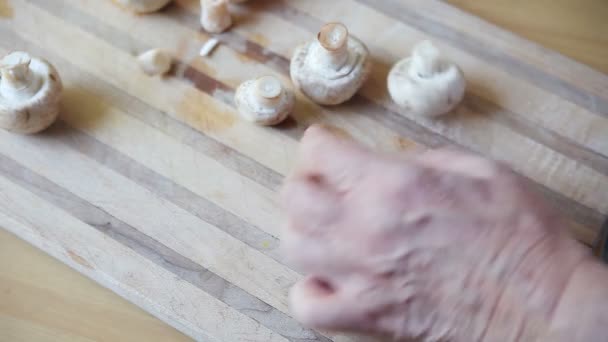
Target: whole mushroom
{"points": [[143, 6], [30, 89], [426, 84], [332, 68], [215, 16], [155, 62], [264, 101]]}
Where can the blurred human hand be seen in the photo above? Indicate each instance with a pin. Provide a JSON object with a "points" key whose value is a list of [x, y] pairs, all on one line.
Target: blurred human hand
{"points": [[436, 246]]}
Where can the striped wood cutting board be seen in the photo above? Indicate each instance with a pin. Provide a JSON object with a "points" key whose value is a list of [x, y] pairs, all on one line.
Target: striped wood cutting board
{"points": [[156, 190]]}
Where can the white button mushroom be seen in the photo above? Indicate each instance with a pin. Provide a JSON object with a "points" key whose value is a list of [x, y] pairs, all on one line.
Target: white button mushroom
{"points": [[425, 83], [215, 16], [264, 101], [30, 89], [155, 62], [330, 69], [143, 6]]}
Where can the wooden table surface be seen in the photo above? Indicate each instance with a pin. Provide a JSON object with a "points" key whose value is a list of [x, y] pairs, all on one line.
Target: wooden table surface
{"points": [[41, 299]]}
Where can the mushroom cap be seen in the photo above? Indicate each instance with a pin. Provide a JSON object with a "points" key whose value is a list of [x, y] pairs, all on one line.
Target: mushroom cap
{"points": [[428, 96], [143, 6], [36, 113], [250, 96], [327, 86]]}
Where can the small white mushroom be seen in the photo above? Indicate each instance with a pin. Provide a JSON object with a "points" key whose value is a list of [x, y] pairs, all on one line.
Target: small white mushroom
{"points": [[155, 62], [264, 101], [143, 6], [30, 89], [426, 84], [332, 68], [215, 16]]}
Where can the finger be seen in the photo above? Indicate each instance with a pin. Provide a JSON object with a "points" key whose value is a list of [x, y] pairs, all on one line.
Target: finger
{"points": [[338, 160], [459, 162]]}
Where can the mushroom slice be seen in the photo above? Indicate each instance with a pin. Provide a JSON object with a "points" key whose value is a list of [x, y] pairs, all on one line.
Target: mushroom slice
{"points": [[425, 83], [30, 89], [264, 101]]}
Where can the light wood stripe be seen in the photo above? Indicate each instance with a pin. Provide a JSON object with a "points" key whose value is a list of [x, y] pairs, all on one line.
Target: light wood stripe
{"points": [[138, 279], [151, 249]]}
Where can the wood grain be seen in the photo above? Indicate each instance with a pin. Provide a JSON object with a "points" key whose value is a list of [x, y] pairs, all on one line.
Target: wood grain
{"points": [[188, 201]]}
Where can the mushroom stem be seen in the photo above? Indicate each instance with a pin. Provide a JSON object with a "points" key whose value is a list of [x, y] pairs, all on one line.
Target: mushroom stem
{"points": [[17, 78], [426, 60], [215, 16], [15, 70], [333, 38], [268, 91]]}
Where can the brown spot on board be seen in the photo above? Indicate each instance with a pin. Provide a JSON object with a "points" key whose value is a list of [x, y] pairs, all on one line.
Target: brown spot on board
{"points": [[78, 259], [6, 10], [204, 113], [259, 39]]}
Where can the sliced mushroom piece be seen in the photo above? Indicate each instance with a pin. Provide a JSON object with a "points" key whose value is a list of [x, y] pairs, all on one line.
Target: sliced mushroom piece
{"points": [[30, 89], [264, 101], [155, 62], [143, 6], [332, 68], [425, 83], [215, 16]]}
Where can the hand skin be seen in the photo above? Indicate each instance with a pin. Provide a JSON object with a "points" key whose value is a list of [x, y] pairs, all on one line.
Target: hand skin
{"points": [[435, 246]]}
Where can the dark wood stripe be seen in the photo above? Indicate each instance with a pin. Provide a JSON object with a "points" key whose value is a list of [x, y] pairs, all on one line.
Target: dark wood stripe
{"points": [[399, 11], [155, 251], [580, 213]]}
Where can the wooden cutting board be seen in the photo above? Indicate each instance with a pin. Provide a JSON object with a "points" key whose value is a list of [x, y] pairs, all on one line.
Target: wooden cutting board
{"points": [[154, 188]]}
